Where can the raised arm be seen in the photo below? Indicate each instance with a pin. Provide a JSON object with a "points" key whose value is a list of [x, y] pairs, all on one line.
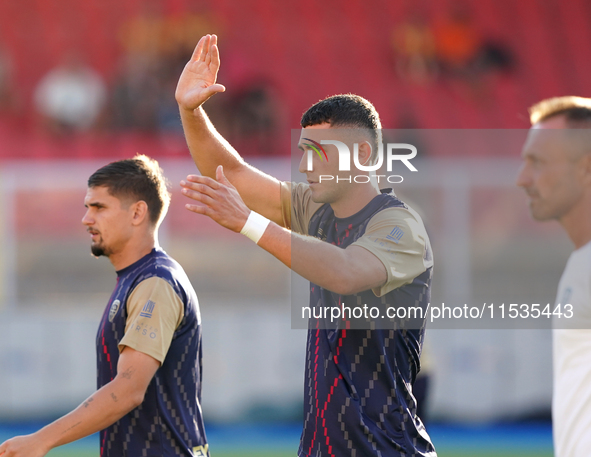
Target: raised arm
{"points": [[315, 260], [208, 148], [109, 404]]}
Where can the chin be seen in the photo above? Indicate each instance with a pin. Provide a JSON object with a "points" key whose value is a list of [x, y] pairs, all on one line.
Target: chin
{"points": [[97, 251], [319, 198], [541, 216]]}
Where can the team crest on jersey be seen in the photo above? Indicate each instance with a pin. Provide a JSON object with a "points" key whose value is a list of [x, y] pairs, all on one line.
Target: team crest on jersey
{"points": [[114, 308]]}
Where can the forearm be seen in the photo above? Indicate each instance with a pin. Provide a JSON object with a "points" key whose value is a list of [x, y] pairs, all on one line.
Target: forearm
{"points": [[319, 262], [100, 410], [208, 148]]}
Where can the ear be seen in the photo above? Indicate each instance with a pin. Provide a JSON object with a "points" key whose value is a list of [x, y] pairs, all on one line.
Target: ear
{"points": [[364, 153], [139, 211]]}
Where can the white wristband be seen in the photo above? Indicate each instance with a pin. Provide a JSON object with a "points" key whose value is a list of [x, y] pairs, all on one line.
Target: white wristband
{"points": [[255, 226]]}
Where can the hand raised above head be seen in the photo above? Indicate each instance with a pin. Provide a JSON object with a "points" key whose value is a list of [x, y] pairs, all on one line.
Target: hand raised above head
{"points": [[197, 82]]}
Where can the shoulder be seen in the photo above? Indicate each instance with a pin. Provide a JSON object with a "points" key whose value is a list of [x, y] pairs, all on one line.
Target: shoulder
{"points": [[400, 228], [164, 267], [296, 192], [398, 214]]}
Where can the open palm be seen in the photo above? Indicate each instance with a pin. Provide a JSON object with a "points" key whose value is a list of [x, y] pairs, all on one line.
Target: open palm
{"points": [[197, 82]]}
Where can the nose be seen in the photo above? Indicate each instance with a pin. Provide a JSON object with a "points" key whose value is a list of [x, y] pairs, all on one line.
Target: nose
{"points": [[304, 163], [523, 176], [87, 220]]}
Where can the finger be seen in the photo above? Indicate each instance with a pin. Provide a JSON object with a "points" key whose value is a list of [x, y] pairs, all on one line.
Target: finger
{"points": [[187, 184], [207, 59], [199, 209], [219, 174], [210, 50], [200, 187], [215, 57], [205, 52], [199, 179], [221, 177], [217, 88], [212, 90], [199, 196], [198, 49]]}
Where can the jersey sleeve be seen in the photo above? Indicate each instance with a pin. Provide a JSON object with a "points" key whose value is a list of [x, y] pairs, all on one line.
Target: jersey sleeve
{"points": [[297, 206], [397, 237], [154, 311]]}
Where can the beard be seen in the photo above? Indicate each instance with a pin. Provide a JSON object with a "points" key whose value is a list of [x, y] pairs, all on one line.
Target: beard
{"points": [[98, 251]]}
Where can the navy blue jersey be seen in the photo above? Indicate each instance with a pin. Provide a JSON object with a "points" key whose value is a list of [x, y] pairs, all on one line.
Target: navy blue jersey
{"points": [[169, 421], [358, 381]]}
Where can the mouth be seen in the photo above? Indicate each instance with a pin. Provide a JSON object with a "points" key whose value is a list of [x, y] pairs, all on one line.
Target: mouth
{"points": [[93, 234], [531, 193]]}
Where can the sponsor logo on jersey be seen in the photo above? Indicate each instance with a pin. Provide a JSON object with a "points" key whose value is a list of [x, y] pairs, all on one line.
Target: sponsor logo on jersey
{"points": [[114, 308], [148, 309], [201, 451], [395, 234]]}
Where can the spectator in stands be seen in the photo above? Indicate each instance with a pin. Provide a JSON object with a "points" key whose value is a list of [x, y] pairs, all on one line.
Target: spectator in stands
{"points": [[466, 55], [179, 32], [457, 42], [414, 48], [142, 34], [135, 95], [255, 117], [71, 96], [494, 56], [156, 48]]}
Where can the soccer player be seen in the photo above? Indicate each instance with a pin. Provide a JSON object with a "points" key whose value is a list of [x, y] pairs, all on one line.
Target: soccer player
{"points": [[355, 244], [556, 175], [149, 338]]}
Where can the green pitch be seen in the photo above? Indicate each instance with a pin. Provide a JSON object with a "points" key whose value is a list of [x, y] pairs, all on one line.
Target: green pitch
{"points": [[281, 453], [511, 440], [78, 451]]}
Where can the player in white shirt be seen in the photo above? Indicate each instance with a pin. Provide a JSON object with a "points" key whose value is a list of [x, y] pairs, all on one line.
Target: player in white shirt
{"points": [[556, 175]]}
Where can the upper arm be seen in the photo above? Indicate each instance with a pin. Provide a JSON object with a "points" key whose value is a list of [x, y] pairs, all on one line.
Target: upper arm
{"points": [[137, 368], [154, 311], [397, 238], [367, 271]]}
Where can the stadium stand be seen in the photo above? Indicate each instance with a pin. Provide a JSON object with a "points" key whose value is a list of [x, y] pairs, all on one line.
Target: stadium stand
{"points": [[307, 50]]}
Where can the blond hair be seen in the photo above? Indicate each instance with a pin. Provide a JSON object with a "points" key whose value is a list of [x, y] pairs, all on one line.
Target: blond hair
{"points": [[577, 110]]}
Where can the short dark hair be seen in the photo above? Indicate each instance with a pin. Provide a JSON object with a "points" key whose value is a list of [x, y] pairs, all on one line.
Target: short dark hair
{"points": [[140, 178], [576, 110], [346, 110]]}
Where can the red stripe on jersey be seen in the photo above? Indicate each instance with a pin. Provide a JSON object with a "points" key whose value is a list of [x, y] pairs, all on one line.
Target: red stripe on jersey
{"points": [[315, 385]]}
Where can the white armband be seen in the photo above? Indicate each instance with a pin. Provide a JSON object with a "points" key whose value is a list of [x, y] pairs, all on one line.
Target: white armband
{"points": [[255, 226]]}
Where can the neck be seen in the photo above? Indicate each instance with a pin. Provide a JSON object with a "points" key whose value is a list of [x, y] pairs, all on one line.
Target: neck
{"points": [[354, 201], [133, 251], [577, 224]]}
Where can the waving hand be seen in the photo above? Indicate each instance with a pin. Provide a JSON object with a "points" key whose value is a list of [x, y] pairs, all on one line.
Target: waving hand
{"points": [[197, 82]]}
